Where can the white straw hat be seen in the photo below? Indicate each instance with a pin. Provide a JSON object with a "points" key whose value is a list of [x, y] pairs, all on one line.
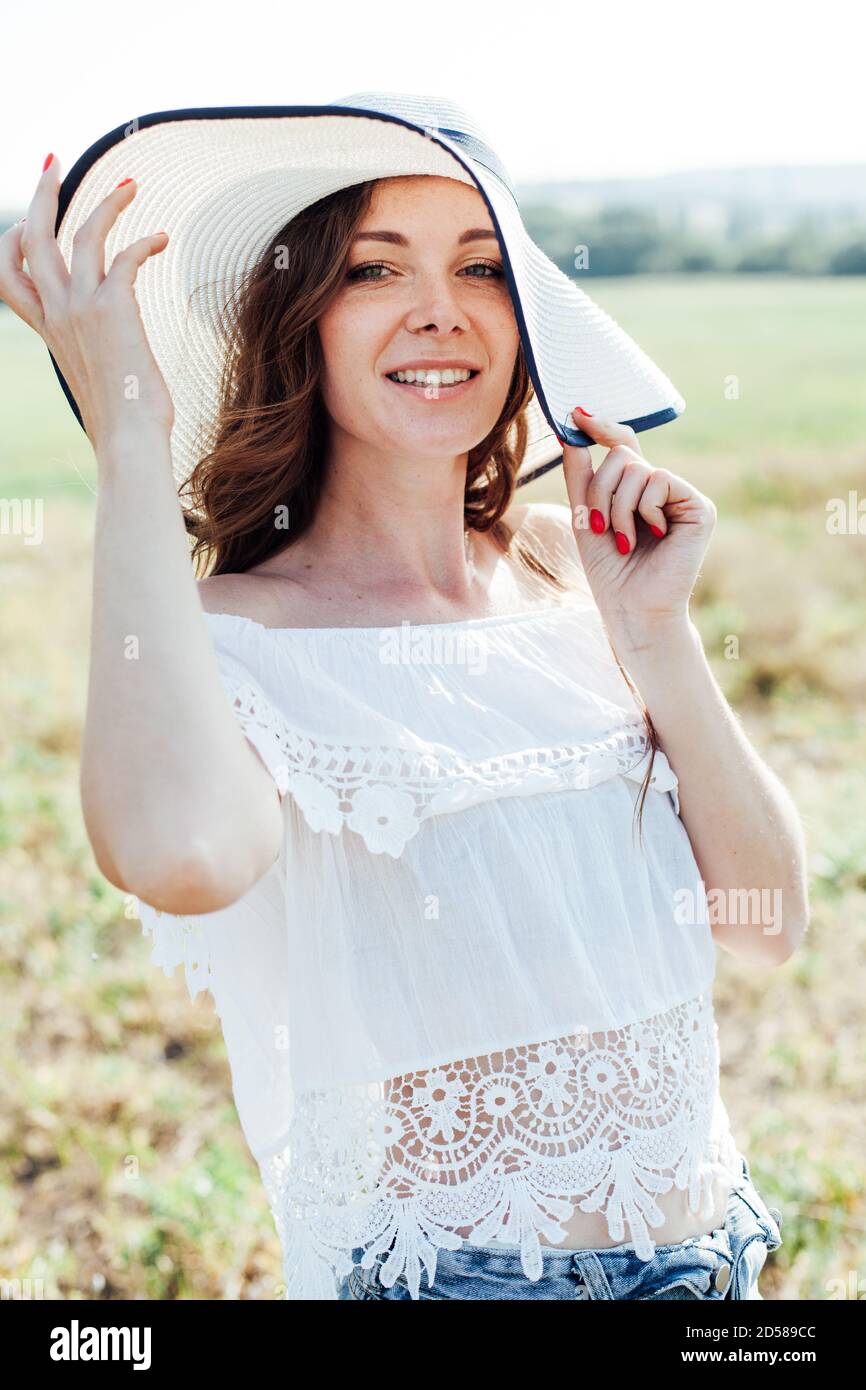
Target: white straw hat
{"points": [[223, 180]]}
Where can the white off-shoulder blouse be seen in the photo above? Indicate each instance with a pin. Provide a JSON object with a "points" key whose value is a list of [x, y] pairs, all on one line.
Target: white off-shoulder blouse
{"points": [[467, 995]]}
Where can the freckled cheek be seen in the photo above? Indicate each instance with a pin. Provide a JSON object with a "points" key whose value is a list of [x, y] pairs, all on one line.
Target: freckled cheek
{"points": [[342, 375], [501, 334], [345, 397], [352, 343], [349, 389]]}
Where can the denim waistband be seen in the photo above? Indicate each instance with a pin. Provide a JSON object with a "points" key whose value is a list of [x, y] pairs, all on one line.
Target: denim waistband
{"points": [[616, 1271], [557, 1258]]}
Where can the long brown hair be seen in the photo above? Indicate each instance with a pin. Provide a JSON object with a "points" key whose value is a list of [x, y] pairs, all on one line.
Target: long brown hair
{"points": [[258, 488]]}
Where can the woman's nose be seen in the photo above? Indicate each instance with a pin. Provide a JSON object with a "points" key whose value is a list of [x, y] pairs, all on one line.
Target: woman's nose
{"points": [[437, 303]]}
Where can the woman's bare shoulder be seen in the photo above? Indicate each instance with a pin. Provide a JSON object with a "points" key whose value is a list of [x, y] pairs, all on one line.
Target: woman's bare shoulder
{"points": [[550, 521], [546, 528], [251, 596]]}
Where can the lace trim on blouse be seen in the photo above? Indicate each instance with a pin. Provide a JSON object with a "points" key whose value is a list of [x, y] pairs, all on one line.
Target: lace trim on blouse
{"points": [[384, 793], [605, 1122]]}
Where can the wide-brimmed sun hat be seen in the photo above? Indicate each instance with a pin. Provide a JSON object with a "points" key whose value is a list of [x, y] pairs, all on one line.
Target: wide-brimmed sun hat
{"points": [[222, 181]]}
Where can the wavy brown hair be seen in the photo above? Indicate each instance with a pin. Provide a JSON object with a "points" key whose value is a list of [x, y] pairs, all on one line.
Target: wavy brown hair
{"points": [[258, 488]]}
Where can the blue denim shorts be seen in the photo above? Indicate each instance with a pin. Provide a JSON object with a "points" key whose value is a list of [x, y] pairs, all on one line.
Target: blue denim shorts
{"points": [[726, 1263]]}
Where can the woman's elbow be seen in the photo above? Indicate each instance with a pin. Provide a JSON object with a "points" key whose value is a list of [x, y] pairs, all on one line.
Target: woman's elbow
{"points": [[197, 876], [795, 927]]}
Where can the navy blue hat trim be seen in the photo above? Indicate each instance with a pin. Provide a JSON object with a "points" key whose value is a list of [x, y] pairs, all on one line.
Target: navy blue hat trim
{"points": [[574, 437], [482, 154]]}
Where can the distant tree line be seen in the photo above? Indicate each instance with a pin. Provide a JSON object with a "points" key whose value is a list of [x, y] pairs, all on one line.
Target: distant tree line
{"points": [[626, 240]]}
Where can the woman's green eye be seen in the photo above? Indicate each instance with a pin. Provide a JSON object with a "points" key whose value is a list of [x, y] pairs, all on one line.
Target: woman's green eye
{"points": [[485, 265], [358, 273]]}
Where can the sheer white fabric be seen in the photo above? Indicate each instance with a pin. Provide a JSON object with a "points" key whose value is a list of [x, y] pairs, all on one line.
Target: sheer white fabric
{"points": [[466, 996]]}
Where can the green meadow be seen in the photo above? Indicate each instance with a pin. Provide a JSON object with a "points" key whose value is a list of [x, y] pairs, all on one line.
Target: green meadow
{"points": [[123, 1170]]}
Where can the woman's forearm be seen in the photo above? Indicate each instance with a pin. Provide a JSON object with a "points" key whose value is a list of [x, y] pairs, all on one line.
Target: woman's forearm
{"points": [[742, 823], [177, 806]]}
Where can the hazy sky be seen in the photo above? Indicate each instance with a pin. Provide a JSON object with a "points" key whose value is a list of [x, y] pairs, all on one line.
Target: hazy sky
{"points": [[631, 89]]}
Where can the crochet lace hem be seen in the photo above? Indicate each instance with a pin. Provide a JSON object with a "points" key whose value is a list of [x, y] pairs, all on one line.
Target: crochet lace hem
{"points": [[506, 1146]]}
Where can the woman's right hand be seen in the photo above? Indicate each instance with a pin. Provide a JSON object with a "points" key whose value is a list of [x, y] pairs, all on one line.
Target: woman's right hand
{"points": [[90, 321]]}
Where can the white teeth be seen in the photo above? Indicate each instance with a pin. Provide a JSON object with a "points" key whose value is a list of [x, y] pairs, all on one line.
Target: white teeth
{"points": [[433, 377]]}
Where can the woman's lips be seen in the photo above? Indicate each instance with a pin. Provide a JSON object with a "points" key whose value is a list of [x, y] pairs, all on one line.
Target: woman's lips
{"points": [[434, 393]]}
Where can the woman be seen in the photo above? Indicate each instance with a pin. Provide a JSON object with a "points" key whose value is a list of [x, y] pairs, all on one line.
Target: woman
{"points": [[468, 1012]]}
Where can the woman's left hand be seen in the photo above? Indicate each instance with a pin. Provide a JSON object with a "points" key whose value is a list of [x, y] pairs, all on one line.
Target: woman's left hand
{"points": [[641, 533]]}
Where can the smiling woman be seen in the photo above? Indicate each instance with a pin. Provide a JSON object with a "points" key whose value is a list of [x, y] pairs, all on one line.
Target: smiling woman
{"points": [[436, 377], [467, 1020], [315, 338], [426, 301]]}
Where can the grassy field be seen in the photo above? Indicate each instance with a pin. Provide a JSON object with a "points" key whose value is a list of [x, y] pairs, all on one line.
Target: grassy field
{"points": [[123, 1170]]}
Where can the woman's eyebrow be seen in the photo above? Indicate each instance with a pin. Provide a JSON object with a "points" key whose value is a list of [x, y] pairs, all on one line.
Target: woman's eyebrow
{"points": [[397, 238]]}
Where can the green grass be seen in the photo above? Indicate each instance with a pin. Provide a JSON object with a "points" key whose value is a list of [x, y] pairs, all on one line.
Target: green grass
{"points": [[795, 350], [122, 1165]]}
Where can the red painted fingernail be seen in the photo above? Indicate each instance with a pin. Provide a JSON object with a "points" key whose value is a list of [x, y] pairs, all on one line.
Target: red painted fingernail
{"points": [[48, 159], [596, 521], [623, 543], [123, 181], [584, 412], [656, 530]]}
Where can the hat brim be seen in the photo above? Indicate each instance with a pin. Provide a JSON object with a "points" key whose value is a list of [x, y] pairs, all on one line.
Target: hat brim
{"points": [[225, 179]]}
